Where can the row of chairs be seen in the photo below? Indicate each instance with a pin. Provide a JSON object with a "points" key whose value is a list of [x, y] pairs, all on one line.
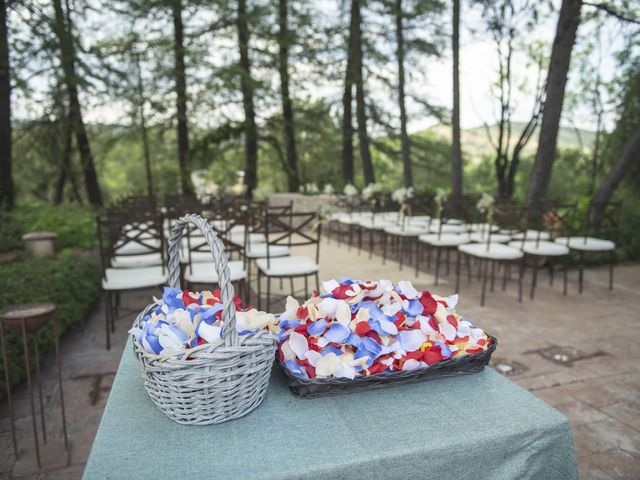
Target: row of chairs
{"points": [[512, 236], [134, 249]]}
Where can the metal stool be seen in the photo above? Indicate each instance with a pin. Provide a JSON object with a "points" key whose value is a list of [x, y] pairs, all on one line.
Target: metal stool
{"points": [[30, 319]]}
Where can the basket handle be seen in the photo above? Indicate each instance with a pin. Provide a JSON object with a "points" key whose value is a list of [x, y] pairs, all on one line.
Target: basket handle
{"points": [[229, 334]]}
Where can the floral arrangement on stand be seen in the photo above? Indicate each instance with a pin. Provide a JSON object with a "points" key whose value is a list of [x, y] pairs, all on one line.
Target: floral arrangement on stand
{"points": [[402, 196], [486, 205], [183, 320], [369, 194], [309, 188], [439, 199], [328, 189], [350, 190], [363, 328]]}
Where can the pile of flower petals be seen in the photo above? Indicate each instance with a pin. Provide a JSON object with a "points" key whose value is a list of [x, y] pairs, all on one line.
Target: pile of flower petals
{"points": [[364, 328], [183, 319]]}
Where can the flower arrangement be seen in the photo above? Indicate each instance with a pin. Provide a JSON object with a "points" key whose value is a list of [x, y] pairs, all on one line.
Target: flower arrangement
{"points": [[401, 195], [369, 192], [184, 319], [486, 205], [363, 328], [350, 190], [310, 188], [439, 199]]}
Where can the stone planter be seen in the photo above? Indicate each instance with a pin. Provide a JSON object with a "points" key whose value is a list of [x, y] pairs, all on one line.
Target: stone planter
{"points": [[40, 244]]}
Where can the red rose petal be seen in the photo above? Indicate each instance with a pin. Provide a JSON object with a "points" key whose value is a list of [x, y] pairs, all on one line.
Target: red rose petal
{"points": [[362, 328], [452, 320], [188, 299], [429, 303]]}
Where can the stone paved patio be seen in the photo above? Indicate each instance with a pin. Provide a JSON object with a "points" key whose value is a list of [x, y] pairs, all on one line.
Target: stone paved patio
{"points": [[599, 391]]}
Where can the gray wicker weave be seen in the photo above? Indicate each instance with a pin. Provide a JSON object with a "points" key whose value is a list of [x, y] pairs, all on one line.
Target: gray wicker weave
{"points": [[210, 383]]}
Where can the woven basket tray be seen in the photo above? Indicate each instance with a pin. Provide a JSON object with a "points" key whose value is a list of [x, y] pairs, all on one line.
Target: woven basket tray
{"points": [[210, 383], [320, 387]]}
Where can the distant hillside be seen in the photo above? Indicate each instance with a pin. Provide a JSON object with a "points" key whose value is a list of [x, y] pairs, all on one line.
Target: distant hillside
{"points": [[476, 142]]}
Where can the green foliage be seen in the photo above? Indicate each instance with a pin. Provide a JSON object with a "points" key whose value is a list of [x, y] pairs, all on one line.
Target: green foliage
{"points": [[71, 282], [74, 225]]}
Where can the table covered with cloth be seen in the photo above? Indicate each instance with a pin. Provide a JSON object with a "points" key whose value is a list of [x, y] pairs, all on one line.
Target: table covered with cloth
{"points": [[479, 426]]}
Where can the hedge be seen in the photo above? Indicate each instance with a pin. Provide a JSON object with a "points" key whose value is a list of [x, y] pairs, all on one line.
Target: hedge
{"points": [[74, 225], [70, 281]]}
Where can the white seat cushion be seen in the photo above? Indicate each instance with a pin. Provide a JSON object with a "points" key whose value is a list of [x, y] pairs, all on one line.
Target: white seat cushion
{"points": [[260, 251], [285, 266], [406, 231], [206, 272], [531, 235], [447, 228], [544, 248], [445, 240], [482, 227], [495, 237], [496, 251], [130, 278], [133, 261], [132, 248], [587, 244]]}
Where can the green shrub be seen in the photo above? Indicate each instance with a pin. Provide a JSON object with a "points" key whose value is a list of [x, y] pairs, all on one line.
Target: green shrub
{"points": [[71, 282], [74, 225]]}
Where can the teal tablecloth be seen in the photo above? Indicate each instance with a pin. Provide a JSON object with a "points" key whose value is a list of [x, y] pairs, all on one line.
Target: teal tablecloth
{"points": [[477, 427]]}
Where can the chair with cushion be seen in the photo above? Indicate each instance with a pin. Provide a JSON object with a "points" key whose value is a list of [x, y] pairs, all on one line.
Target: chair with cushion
{"points": [[200, 270], [537, 244], [289, 230], [128, 262], [494, 254], [444, 236], [599, 237]]}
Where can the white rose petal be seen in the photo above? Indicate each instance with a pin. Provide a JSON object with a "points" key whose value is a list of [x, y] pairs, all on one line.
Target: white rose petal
{"points": [[327, 365], [298, 344], [343, 313]]}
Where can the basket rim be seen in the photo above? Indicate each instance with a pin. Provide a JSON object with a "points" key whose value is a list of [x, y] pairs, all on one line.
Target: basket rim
{"points": [[389, 375]]}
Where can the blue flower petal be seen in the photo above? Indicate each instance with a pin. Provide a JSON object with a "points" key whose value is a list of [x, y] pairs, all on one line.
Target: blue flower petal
{"points": [[296, 369], [331, 349], [172, 297], [338, 333], [289, 324], [354, 340], [317, 328], [414, 308], [446, 352]]}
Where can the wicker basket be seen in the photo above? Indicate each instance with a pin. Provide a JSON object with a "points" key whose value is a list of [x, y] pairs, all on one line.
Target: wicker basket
{"points": [[210, 383], [320, 387]]}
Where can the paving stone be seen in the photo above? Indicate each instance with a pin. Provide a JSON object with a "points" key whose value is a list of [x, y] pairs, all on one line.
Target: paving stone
{"points": [[616, 434], [580, 413], [626, 411], [615, 463]]}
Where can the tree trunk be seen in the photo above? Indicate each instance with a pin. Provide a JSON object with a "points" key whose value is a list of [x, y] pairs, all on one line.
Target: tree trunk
{"points": [[630, 153], [568, 22], [181, 96], [456, 149], [407, 177], [143, 127], [347, 99], [287, 107], [361, 108], [65, 165], [6, 179], [67, 59], [246, 85]]}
